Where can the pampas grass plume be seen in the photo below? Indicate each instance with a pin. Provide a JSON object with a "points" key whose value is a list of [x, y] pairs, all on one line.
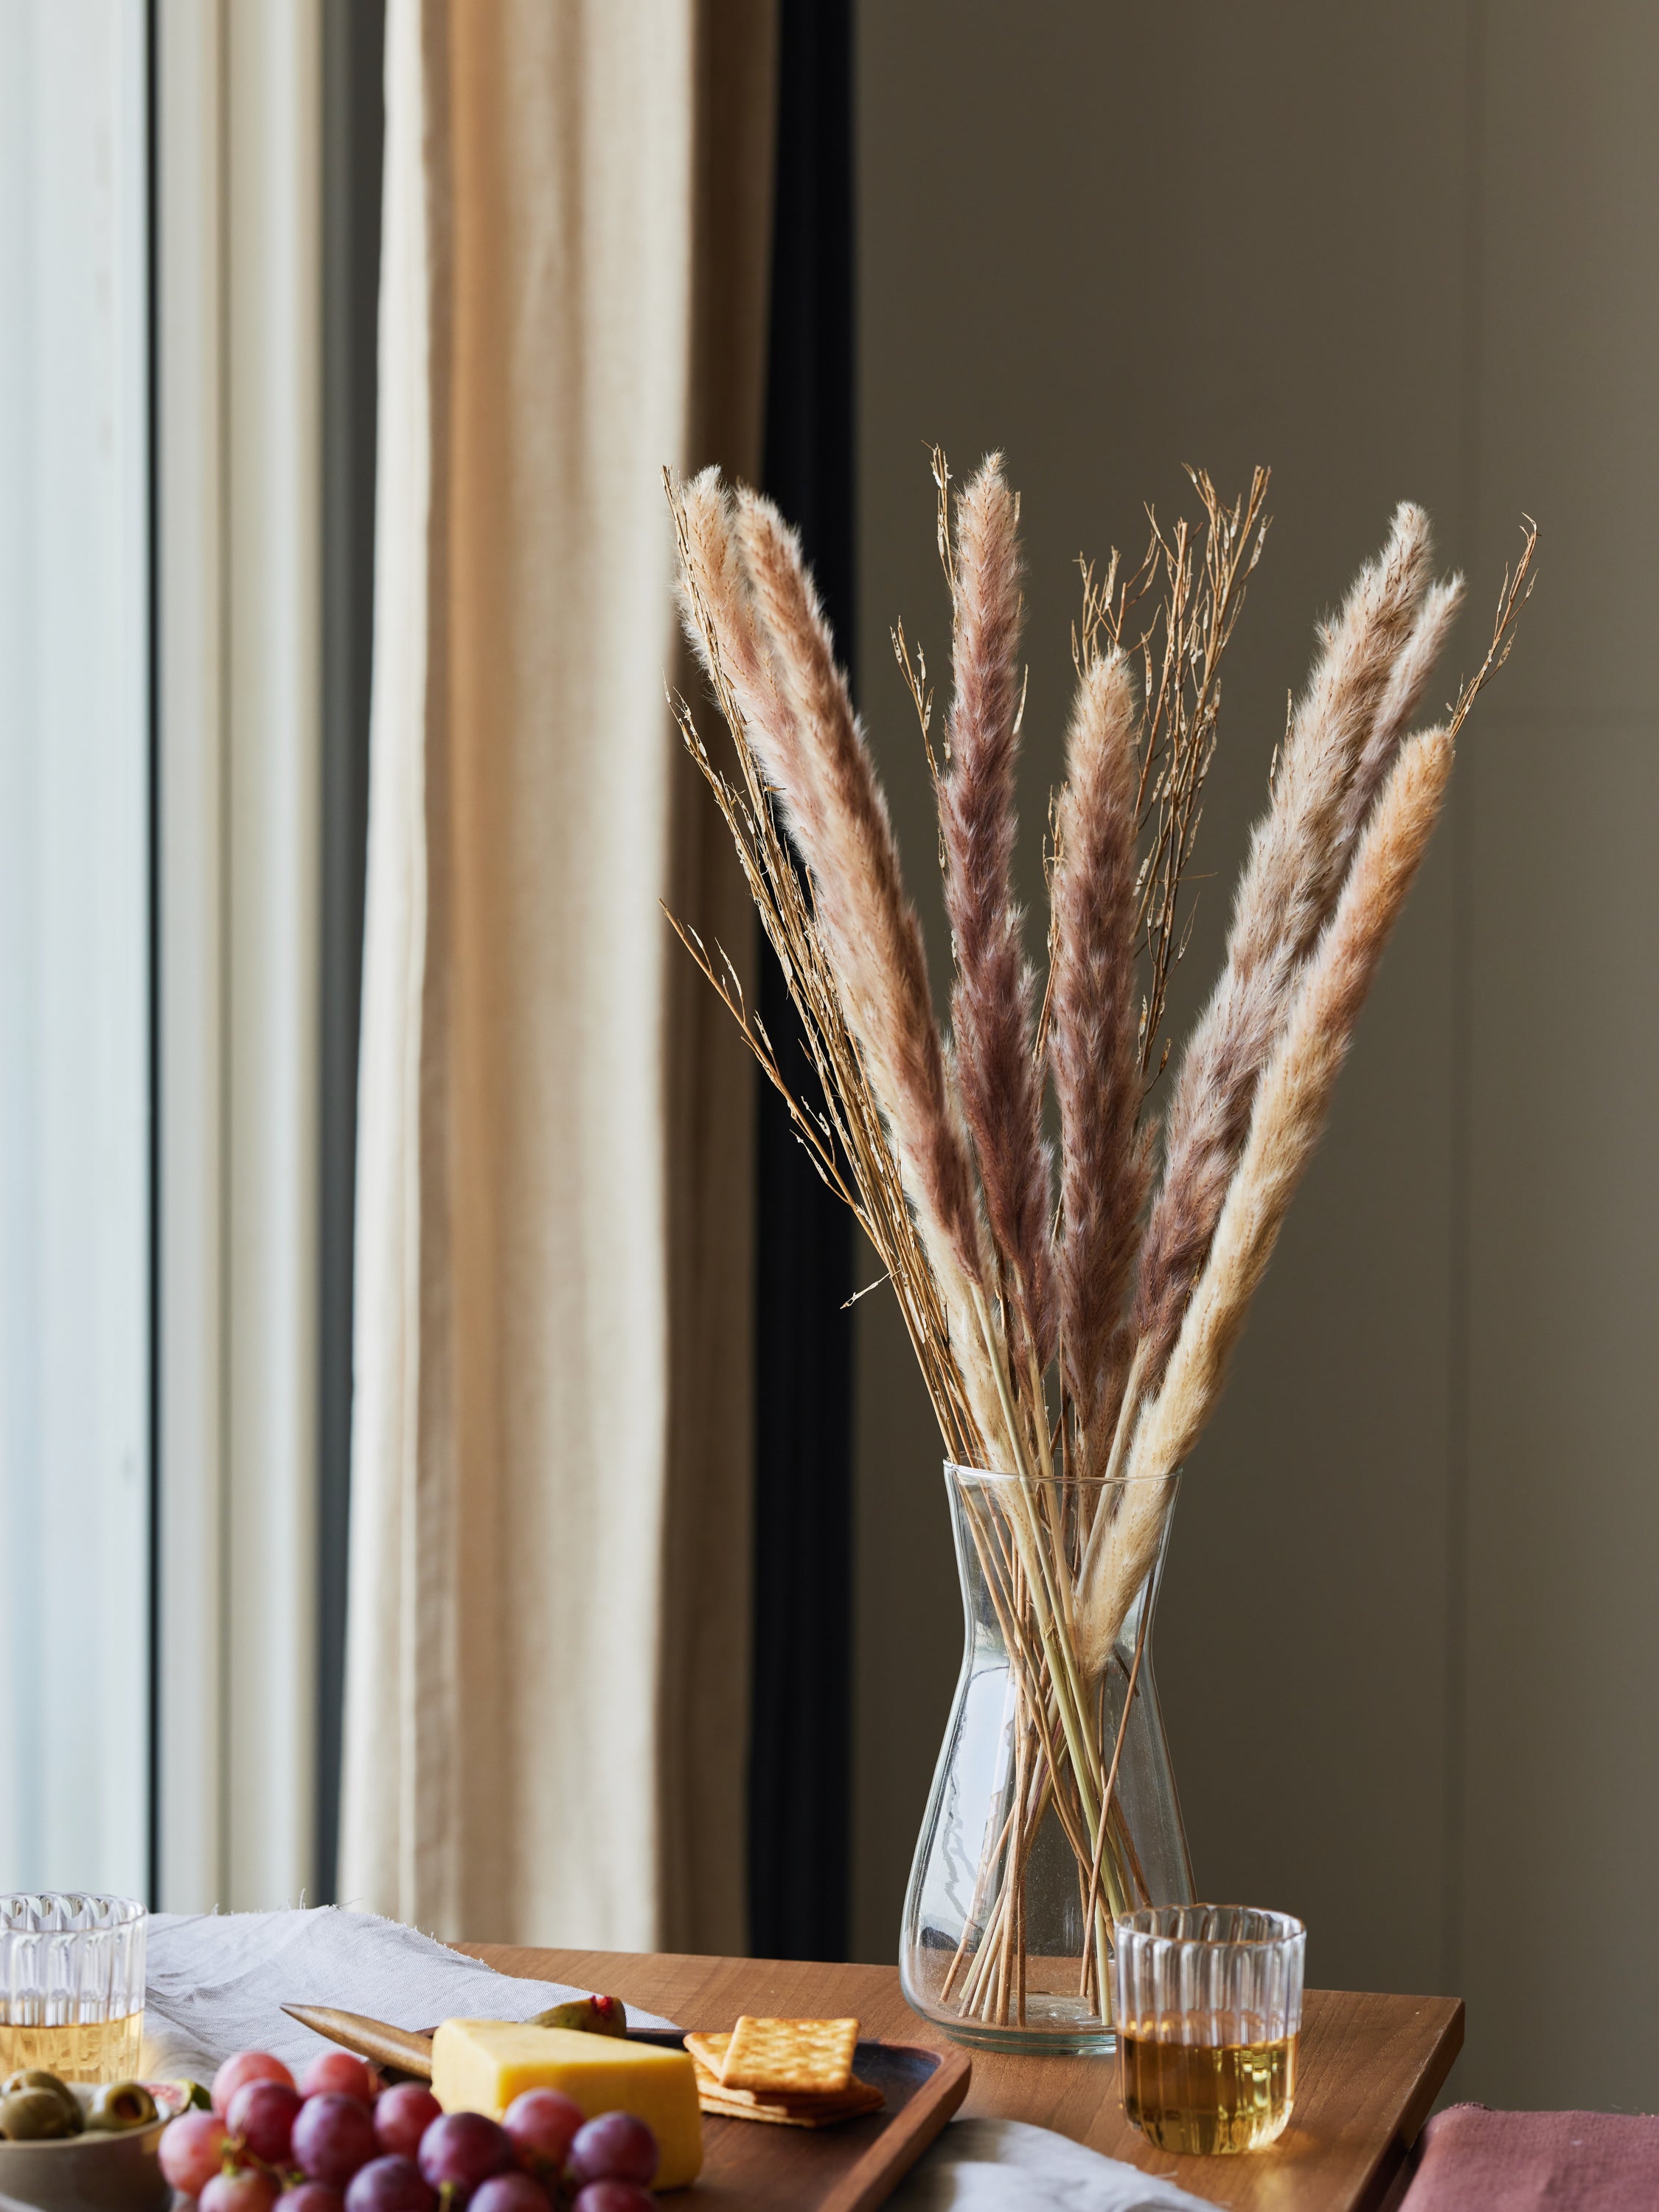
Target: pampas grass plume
{"points": [[1291, 1109]]}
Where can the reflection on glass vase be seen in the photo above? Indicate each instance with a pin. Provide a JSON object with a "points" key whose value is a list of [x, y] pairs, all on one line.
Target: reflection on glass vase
{"points": [[1053, 1805]]}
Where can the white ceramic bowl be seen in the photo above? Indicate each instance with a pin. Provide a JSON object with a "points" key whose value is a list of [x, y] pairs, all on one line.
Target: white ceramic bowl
{"points": [[91, 2172]]}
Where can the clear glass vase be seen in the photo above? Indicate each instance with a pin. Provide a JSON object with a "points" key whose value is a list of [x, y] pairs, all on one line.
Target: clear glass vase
{"points": [[1053, 1805]]}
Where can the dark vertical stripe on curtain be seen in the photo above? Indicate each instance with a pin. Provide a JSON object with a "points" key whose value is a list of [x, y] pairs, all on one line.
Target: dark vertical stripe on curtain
{"points": [[153, 861], [353, 69], [800, 1755]]}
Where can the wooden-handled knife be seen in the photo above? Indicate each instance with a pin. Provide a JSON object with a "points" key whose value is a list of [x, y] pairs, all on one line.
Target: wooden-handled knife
{"points": [[399, 2047], [405, 2049]]}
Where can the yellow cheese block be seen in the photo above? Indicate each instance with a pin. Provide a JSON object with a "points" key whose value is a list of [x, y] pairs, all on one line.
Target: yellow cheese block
{"points": [[482, 2065]]}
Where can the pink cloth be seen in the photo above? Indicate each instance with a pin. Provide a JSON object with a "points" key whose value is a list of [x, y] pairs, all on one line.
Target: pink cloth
{"points": [[1475, 2159]]}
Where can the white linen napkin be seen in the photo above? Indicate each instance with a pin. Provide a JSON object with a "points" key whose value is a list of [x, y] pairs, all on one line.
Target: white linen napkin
{"points": [[993, 2165], [216, 1982]]}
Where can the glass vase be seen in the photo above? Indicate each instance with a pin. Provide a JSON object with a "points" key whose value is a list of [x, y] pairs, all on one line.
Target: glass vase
{"points": [[1053, 1805]]}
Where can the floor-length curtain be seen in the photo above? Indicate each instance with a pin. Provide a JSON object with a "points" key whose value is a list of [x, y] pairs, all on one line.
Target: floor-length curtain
{"points": [[548, 1631]]}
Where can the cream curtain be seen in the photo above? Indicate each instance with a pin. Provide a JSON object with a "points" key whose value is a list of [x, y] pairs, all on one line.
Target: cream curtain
{"points": [[547, 1664]]}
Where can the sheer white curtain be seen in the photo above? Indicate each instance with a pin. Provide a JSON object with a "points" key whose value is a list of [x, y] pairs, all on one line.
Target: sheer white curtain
{"points": [[548, 1633], [237, 175]]}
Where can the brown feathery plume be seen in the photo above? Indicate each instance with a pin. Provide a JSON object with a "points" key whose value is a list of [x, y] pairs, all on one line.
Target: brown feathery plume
{"points": [[992, 1005], [1291, 1104], [1290, 883], [1094, 1043]]}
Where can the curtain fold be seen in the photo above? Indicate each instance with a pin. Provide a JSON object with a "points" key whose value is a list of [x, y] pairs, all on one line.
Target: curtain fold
{"points": [[548, 1635]]}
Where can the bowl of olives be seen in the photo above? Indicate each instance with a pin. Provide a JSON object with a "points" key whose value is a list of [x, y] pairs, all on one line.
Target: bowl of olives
{"points": [[79, 2146]]}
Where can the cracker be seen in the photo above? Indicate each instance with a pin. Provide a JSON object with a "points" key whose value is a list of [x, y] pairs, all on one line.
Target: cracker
{"points": [[824, 2112], [716, 2110], [857, 2097], [802, 2056], [777, 2109]]}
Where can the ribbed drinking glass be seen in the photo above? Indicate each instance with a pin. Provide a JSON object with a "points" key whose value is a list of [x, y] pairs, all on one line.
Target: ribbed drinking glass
{"points": [[1207, 1999], [71, 1984]]}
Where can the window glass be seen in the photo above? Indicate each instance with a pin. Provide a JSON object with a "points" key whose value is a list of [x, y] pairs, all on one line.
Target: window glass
{"points": [[74, 946]]}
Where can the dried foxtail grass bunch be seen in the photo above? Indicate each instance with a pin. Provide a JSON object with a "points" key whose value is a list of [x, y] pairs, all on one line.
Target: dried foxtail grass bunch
{"points": [[1074, 1318]]}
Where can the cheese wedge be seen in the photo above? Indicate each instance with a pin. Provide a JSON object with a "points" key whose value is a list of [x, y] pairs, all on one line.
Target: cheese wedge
{"points": [[482, 2065]]}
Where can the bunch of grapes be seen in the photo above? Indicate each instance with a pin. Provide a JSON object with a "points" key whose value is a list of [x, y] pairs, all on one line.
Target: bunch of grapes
{"points": [[340, 2143]]}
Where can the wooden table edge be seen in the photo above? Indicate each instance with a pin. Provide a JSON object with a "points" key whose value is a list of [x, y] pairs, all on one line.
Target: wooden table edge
{"points": [[1396, 2153]]}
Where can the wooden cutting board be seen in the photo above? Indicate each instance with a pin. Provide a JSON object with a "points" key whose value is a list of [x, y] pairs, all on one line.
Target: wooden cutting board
{"points": [[848, 2168], [748, 2166]]}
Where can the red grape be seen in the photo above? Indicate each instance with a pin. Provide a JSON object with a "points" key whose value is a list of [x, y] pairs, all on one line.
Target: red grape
{"points": [[462, 2149], [614, 2197], [333, 2135], [311, 2197], [247, 2066], [616, 2147], [542, 2124], [403, 2115], [510, 2192], [248, 2190], [192, 2150], [342, 2072], [389, 2184], [261, 2117]]}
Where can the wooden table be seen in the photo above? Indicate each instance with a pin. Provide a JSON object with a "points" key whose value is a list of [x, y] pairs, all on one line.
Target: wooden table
{"points": [[1371, 2068]]}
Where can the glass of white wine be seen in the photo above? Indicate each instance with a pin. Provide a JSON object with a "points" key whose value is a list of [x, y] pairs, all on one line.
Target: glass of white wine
{"points": [[71, 1984], [1207, 2003]]}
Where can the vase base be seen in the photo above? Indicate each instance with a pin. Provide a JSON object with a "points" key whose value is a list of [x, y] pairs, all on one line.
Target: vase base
{"points": [[1061, 2026]]}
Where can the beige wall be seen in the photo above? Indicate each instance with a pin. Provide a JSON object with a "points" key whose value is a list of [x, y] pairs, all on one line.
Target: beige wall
{"points": [[1409, 1651]]}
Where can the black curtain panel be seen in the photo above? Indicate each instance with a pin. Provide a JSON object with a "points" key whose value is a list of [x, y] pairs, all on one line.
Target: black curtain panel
{"points": [[800, 1757]]}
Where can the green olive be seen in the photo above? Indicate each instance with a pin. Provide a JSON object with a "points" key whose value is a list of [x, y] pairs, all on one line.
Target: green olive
{"points": [[121, 2105], [36, 2077], [34, 2116]]}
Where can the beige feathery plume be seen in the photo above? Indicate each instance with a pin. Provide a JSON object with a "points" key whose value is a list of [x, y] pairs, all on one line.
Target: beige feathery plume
{"points": [[813, 758], [1442, 604], [713, 572], [1290, 1107], [994, 1003], [1291, 880], [1094, 1043]]}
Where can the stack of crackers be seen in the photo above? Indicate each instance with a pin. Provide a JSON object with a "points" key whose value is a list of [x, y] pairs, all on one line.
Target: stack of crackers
{"points": [[794, 2073]]}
